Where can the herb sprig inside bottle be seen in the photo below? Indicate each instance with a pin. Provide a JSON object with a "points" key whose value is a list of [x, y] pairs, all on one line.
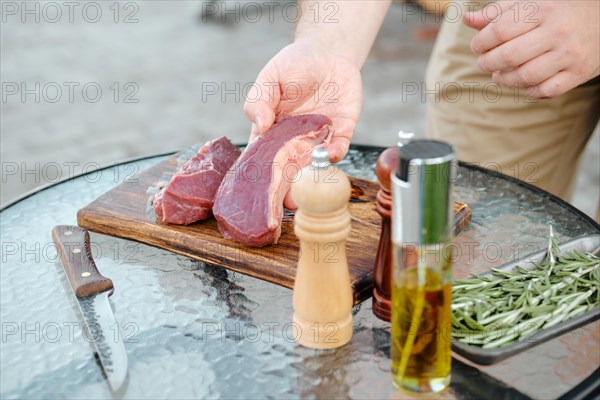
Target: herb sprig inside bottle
{"points": [[492, 313]]}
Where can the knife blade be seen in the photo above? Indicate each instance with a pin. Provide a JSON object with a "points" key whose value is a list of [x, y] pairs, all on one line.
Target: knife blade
{"points": [[92, 290]]}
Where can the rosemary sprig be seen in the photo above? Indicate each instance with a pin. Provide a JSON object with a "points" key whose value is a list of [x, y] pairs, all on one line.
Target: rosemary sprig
{"points": [[511, 306]]}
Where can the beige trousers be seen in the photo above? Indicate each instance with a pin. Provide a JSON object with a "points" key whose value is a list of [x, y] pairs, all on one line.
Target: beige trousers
{"points": [[538, 141]]}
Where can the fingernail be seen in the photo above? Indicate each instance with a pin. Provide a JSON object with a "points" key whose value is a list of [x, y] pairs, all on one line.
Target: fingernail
{"points": [[336, 152]]}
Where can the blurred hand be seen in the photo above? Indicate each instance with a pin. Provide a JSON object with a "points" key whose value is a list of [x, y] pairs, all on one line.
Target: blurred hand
{"points": [[307, 79], [547, 47]]}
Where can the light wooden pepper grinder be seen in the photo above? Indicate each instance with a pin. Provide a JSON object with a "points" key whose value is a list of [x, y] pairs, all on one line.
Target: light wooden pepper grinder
{"points": [[382, 270], [322, 293]]}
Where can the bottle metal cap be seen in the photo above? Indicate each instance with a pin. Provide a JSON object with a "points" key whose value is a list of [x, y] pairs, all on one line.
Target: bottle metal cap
{"points": [[422, 192]]}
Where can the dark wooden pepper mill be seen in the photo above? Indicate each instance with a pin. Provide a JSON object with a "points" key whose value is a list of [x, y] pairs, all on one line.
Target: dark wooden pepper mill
{"points": [[382, 271]]}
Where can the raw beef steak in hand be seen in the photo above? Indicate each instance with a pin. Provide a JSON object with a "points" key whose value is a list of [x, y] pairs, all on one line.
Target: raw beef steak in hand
{"points": [[189, 196], [249, 203]]}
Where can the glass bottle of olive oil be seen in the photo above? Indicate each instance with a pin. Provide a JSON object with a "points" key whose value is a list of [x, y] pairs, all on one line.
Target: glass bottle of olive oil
{"points": [[421, 281], [421, 295]]}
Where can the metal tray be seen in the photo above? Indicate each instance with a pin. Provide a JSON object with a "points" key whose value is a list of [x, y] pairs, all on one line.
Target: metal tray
{"points": [[491, 356]]}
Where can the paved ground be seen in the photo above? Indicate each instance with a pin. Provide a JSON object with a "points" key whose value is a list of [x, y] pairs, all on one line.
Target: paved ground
{"points": [[138, 81]]}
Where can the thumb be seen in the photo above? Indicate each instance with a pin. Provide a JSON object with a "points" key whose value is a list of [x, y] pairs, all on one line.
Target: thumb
{"points": [[262, 116], [477, 19], [340, 142], [338, 148], [480, 19], [261, 103]]}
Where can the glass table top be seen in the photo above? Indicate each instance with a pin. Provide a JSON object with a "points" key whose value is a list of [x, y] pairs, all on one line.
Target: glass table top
{"points": [[192, 330]]}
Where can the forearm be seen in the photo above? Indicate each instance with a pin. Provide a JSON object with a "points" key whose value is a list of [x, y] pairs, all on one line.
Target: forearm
{"points": [[347, 28]]}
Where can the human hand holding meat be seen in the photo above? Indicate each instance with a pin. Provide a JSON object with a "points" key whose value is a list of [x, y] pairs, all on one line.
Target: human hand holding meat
{"points": [[320, 72], [547, 47], [307, 79]]}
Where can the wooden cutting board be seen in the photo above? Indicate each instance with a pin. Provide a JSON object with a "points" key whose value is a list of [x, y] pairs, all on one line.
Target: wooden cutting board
{"points": [[126, 212]]}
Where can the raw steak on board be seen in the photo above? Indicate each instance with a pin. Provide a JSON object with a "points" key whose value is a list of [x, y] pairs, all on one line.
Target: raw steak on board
{"points": [[249, 203], [189, 196]]}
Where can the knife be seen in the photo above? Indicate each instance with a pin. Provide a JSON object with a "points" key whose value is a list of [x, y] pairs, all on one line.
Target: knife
{"points": [[92, 290]]}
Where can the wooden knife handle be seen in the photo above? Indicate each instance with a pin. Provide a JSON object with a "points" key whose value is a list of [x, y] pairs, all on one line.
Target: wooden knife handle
{"points": [[73, 246]]}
